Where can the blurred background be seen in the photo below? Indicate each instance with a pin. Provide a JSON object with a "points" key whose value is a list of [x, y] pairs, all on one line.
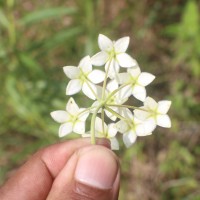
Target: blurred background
{"points": [[38, 38]]}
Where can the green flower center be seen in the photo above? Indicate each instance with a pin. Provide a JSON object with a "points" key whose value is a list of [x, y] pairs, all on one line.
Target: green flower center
{"points": [[83, 76], [112, 54]]}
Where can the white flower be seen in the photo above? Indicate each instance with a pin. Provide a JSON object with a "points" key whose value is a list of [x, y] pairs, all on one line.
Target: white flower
{"points": [[133, 127], [155, 111], [136, 82], [113, 54], [72, 120], [83, 77]]}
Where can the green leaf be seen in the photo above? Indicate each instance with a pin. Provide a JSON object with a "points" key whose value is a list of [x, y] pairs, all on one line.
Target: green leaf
{"points": [[61, 37], [30, 63], [44, 14], [190, 20], [15, 98], [171, 30], [53, 41]]}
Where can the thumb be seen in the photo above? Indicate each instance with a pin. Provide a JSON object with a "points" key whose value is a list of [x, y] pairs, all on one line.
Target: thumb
{"points": [[92, 172]]}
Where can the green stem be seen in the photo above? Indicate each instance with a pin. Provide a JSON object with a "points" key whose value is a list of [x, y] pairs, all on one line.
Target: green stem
{"points": [[122, 106], [105, 80], [86, 80], [103, 119], [115, 91], [126, 106], [92, 126], [114, 113], [86, 110], [92, 91]]}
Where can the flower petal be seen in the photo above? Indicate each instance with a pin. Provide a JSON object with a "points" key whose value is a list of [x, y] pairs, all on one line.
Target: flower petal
{"points": [[65, 129], [129, 138], [125, 112], [71, 72], [141, 114], [122, 126], [96, 76], [121, 44], [145, 128], [89, 90], [140, 130], [84, 115], [150, 125], [110, 115], [124, 93], [104, 42], [151, 104], [112, 67], [112, 85], [123, 78], [134, 72], [99, 59], [163, 106], [71, 107], [114, 144], [164, 121], [126, 61], [79, 127], [85, 135], [145, 78], [73, 87], [139, 92], [99, 126], [85, 64], [94, 106], [99, 90], [60, 116], [112, 130]]}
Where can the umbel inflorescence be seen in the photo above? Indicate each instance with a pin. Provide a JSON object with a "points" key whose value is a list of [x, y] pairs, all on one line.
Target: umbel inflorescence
{"points": [[110, 89]]}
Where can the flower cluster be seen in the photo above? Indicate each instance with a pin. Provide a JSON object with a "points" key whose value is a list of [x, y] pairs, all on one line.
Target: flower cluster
{"points": [[110, 89]]}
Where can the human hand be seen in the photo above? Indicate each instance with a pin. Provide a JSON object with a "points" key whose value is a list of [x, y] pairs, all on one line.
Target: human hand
{"points": [[67, 171]]}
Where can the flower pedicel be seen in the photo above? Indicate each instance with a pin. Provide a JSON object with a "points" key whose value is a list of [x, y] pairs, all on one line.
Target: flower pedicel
{"points": [[110, 90]]}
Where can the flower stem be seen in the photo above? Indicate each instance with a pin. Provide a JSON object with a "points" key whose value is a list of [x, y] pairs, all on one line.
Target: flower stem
{"points": [[105, 80], [86, 110], [115, 91], [92, 126], [127, 106], [122, 106], [114, 113], [93, 92], [103, 119]]}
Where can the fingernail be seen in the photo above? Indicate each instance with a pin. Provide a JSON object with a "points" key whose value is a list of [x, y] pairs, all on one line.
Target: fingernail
{"points": [[97, 168]]}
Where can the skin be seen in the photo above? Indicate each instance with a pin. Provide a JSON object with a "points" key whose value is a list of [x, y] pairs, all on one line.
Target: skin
{"points": [[60, 172]]}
